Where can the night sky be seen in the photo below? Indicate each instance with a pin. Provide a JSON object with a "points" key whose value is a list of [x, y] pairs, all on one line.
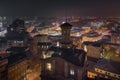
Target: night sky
{"points": [[59, 7]]}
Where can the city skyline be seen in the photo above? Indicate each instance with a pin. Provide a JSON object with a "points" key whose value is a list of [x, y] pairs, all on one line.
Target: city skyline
{"points": [[50, 49], [57, 8], [59, 40]]}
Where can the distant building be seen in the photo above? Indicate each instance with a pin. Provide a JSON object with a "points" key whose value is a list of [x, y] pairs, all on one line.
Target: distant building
{"points": [[16, 34], [16, 53], [38, 39], [93, 49], [91, 36], [115, 37], [104, 70], [1, 24], [107, 66]]}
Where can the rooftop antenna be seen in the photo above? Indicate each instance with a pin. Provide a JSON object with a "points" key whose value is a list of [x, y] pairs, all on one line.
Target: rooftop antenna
{"points": [[66, 15]]}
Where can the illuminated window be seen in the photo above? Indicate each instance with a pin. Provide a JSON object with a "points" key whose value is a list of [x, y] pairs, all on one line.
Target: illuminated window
{"points": [[85, 48], [72, 72], [11, 29], [44, 56], [15, 41], [49, 66], [106, 76], [19, 41], [58, 44]]}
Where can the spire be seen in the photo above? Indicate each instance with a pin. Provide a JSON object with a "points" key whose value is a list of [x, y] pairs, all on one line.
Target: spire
{"points": [[66, 15]]}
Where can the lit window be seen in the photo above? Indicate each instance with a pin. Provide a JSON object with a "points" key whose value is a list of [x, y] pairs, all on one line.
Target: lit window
{"points": [[85, 48], [58, 44], [49, 66], [72, 72], [106, 76], [11, 29], [47, 46], [44, 56], [15, 41]]}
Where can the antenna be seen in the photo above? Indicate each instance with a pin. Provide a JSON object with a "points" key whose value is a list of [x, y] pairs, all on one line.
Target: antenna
{"points": [[66, 14]]}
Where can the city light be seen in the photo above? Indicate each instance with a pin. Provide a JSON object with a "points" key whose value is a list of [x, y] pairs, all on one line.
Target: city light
{"points": [[60, 40]]}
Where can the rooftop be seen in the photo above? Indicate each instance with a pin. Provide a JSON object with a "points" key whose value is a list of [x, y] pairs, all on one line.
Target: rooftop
{"points": [[16, 49], [69, 54], [14, 35], [107, 66]]}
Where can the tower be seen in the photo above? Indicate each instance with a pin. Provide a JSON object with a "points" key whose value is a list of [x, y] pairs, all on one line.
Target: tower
{"points": [[65, 30], [16, 34], [66, 27]]}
